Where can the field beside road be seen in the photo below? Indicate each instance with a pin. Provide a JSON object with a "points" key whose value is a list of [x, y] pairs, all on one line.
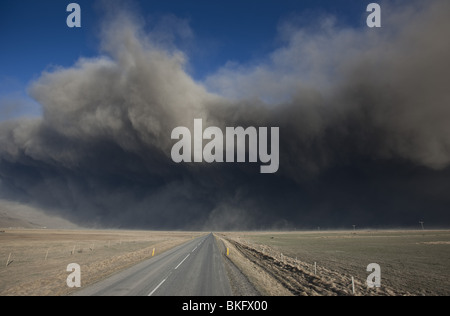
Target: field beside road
{"points": [[34, 261], [323, 263]]}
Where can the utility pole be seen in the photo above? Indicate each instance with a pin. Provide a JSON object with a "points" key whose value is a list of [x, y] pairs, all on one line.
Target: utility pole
{"points": [[421, 223]]}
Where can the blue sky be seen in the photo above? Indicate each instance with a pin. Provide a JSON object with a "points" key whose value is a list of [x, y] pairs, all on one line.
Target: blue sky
{"points": [[35, 37]]}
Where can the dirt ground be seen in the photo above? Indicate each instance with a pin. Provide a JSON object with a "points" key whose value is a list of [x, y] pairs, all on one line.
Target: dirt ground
{"points": [[278, 263], [33, 262]]}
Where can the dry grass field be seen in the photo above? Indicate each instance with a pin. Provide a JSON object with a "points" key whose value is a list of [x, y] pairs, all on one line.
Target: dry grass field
{"points": [[38, 258], [34, 261], [412, 262]]}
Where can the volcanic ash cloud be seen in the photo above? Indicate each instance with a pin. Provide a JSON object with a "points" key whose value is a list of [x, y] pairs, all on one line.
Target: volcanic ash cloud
{"points": [[362, 114]]}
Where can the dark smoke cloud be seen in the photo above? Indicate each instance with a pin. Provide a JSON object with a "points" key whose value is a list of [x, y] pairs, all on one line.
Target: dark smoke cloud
{"points": [[363, 116]]}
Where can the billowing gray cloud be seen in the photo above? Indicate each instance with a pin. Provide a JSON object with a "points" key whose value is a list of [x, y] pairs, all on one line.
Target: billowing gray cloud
{"points": [[363, 117]]}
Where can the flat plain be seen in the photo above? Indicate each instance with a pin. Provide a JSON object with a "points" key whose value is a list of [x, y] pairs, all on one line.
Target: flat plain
{"points": [[320, 263], [34, 261], [323, 262]]}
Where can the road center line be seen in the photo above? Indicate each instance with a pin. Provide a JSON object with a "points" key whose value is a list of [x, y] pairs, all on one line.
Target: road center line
{"points": [[194, 249], [157, 287], [182, 261]]}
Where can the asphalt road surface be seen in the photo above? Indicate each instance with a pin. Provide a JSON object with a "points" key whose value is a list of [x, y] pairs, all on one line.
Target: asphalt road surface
{"points": [[193, 269]]}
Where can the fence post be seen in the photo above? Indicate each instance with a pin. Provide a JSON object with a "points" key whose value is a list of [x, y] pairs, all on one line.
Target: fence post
{"points": [[7, 261], [353, 285]]}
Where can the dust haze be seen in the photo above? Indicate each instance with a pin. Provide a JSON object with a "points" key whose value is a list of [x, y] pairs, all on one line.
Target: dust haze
{"points": [[363, 117]]}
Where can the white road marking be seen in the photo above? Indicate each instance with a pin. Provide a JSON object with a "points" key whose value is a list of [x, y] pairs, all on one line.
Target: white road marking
{"points": [[194, 249], [182, 261], [157, 287]]}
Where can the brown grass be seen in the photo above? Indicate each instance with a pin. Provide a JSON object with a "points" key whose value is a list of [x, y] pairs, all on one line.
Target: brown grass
{"points": [[412, 262], [263, 282], [39, 258]]}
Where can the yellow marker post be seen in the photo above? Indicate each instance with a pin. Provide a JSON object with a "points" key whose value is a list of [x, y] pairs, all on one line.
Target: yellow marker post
{"points": [[228, 252], [153, 253]]}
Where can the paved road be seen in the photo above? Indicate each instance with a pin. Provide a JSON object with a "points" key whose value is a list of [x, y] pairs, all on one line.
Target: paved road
{"points": [[192, 269]]}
